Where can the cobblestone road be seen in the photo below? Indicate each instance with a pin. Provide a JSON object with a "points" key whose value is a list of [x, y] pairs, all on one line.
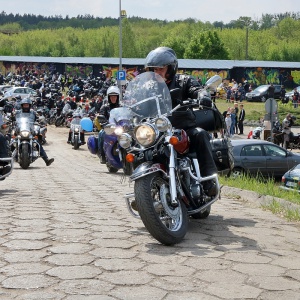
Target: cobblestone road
{"points": [[65, 233]]}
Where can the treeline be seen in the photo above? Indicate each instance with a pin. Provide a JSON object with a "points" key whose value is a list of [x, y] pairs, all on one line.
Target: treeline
{"points": [[247, 39], [87, 21]]}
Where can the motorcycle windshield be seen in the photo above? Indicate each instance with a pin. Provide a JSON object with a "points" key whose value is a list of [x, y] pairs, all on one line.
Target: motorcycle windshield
{"points": [[120, 113], [148, 96], [66, 108], [24, 123], [76, 121]]}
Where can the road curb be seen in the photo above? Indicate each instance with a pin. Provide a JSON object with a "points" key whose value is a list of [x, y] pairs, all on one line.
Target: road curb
{"points": [[258, 199]]}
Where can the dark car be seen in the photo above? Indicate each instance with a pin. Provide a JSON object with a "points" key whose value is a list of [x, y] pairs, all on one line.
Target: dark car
{"points": [[291, 179], [260, 94], [255, 157]]}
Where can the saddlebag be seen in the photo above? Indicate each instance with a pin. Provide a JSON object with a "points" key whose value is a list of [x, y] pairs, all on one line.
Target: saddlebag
{"points": [[210, 119], [183, 119], [222, 154]]}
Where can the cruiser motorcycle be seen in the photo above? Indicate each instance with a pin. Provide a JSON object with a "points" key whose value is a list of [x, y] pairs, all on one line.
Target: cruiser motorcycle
{"points": [[24, 142], [168, 186], [119, 122]]}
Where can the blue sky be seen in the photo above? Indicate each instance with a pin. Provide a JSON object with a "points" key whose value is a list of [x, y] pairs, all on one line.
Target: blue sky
{"points": [[209, 10]]}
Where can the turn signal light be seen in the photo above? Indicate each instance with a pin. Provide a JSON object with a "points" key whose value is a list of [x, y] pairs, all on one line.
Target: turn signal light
{"points": [[173, 140], [130, 157]]}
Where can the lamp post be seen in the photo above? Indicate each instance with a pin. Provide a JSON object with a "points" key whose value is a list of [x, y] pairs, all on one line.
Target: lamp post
{"points": [[247, 39], [121, 15]]}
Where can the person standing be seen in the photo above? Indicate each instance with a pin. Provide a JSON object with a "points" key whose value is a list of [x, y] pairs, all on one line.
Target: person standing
{"points": [[236, 109], [228, 123], [295, 98], [271, 91], [286, 129], [282, 94], [233, 121], [241, 119]]}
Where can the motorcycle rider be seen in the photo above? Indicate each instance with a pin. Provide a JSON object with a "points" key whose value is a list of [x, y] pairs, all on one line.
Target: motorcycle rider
{"points": [[29, 113], [4, 167], [113, 97], [163, 61]]}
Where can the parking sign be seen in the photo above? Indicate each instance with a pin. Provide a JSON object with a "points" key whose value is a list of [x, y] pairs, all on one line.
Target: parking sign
{"points": [[121, 75]]}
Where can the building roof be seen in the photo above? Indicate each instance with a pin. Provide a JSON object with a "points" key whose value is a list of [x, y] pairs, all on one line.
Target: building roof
{"points": [[182, 63]]}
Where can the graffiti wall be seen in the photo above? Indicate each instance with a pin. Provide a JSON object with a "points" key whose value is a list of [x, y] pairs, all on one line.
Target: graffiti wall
{"points": [[21, 68], [256, 76], [259, 76]]}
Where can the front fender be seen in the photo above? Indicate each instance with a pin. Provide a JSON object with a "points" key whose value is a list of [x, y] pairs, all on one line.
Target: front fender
{"points": [[147, 168]]}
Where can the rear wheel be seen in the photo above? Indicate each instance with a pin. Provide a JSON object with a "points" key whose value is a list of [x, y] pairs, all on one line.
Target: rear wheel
{"points": [[166, 223]]}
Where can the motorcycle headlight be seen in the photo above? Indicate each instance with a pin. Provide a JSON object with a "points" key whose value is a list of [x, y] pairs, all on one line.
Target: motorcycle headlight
{"points": [[125, 140], [145, 135], [76, 130], [25, 134], [119, 130], [163, 124]]}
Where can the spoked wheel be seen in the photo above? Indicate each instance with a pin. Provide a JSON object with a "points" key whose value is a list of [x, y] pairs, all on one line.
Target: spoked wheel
{"points": [[166, 223]]}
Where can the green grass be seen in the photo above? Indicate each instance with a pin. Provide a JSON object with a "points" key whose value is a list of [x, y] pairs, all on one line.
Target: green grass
{"points": [[267, 187], [256, 110]]}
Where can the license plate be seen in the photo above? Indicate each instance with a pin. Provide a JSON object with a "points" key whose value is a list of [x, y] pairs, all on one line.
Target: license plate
{"points": [[291, 184]]}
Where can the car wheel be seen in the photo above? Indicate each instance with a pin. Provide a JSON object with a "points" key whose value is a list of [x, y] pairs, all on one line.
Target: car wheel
{"points": [[237, 172]]}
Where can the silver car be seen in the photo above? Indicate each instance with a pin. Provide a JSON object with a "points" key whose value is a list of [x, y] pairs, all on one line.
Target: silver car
{"points": [[24, 92]]}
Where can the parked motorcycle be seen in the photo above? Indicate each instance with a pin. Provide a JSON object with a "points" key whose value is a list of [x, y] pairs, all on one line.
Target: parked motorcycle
{"points": [[65, 117], [24, 143], [278, 137], [256, 132], [168, 186]]}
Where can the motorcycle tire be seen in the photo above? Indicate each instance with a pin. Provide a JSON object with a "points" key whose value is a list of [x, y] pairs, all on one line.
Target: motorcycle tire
{"points": [[167, 224], [51, 120], [24, 157], [76, 142], [59, 121]]}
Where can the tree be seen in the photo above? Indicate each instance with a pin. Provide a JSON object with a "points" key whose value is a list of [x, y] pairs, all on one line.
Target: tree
{"points": [[206, 45]]}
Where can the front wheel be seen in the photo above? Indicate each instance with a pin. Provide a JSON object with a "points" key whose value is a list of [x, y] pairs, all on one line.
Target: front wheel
{"points": [[76, 142], [24, 157], [59, 121], [166, 223]]}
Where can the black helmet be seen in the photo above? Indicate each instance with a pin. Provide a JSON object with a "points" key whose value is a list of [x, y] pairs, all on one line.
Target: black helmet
{"points": [[161, 57], [18, 97]]}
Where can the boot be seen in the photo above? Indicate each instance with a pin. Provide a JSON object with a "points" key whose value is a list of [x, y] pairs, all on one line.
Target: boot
{"points": [[102, 159], [210, 188], [49, 161]]}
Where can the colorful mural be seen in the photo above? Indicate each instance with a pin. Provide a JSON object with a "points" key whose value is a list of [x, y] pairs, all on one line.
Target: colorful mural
{"points": [[79, 70], [256, 76], [21, 68]]}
